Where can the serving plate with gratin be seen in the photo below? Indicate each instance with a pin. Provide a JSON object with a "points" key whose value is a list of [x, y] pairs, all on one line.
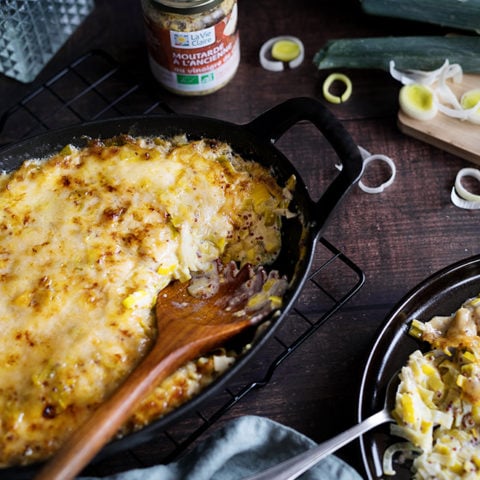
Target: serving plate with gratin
{"points": [[440, 294]]}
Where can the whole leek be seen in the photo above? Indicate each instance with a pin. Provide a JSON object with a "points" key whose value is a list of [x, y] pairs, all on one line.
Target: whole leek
{"points": [[460, 14], [418, 52]]}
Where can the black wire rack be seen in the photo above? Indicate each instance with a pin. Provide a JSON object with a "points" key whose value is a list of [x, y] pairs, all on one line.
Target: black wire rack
{"points": [[95, 87]]}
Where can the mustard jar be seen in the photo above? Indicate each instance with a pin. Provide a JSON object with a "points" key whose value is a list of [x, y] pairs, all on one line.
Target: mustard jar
{"points": [[193, 45]]}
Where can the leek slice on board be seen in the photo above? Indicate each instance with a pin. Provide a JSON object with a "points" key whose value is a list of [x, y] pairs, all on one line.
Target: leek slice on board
{"points": [[418, 52], [426, 92], [460, 14], [418, 101], [471, 99]]}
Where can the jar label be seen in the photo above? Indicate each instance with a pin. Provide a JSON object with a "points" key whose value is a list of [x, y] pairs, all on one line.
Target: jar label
{"points": [[196, 61]]}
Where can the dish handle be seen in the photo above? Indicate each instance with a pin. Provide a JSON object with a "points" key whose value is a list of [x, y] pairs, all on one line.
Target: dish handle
{"points": [[272, 124]]}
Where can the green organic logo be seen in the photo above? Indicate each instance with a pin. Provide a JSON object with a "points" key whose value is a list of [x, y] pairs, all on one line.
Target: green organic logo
{"points": [[188, 79], [207, 78]]}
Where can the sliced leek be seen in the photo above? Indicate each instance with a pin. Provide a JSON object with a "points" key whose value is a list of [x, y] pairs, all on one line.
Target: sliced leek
{"points": [[280, 51], [445, 72], [418, 101], [426, 92], [337, 77], [471, 101], [406, 449], [460, 196], [285, 50], [369, 158], [414, 52]]}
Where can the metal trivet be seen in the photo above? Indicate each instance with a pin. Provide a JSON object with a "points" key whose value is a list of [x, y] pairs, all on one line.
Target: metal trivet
{"points": [[95, 87]]}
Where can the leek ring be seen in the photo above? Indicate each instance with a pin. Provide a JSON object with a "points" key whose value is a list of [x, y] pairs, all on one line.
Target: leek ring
{"points": [[460, 196], [281, 49], [337, 77], [368, 158], [418, 101], [471, 101]]}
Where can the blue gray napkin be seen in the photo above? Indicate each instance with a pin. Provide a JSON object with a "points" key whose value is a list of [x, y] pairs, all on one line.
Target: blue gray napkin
{"points": [[241, 448]]}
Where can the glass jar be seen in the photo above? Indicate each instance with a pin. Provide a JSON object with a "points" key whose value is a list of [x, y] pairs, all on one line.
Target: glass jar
{"points": [[193, 45], [32, 32]]}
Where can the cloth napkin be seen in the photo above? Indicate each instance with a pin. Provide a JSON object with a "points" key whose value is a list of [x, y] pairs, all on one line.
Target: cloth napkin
{"points": [[244, 446]]}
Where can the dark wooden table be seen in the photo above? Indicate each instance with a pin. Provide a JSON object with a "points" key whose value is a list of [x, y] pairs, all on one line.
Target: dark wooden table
{"points": [[397, 238]]}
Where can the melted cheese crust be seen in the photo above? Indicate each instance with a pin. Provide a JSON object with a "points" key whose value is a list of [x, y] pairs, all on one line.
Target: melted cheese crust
{"points": [[88, 237]]}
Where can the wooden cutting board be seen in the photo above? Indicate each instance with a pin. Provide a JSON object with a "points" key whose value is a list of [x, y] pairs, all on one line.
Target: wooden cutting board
{"points": [[455, 136]]}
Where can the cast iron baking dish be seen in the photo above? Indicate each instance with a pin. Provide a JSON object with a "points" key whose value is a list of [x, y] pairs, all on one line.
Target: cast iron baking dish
{"points": [[254, 140]]}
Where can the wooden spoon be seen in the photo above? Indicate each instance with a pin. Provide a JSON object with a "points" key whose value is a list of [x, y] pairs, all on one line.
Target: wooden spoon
{"points": [[188, 327]]}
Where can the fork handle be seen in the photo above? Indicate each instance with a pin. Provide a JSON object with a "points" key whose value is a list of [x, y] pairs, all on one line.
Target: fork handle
{"points": [[295, 466]]}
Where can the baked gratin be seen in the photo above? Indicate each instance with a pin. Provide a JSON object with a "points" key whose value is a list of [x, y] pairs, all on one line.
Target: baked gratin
{"points": [[88, 237]]}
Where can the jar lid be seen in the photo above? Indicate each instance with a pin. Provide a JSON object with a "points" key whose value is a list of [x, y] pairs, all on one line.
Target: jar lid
{"points": [[186, 6]]}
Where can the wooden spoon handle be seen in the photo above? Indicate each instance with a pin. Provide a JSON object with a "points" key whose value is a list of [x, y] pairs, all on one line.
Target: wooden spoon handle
{"points": [[169, 353], [91, 436]]}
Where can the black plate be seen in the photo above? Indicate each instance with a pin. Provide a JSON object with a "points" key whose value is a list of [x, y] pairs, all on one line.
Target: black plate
{"points": [[441, 294]]}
